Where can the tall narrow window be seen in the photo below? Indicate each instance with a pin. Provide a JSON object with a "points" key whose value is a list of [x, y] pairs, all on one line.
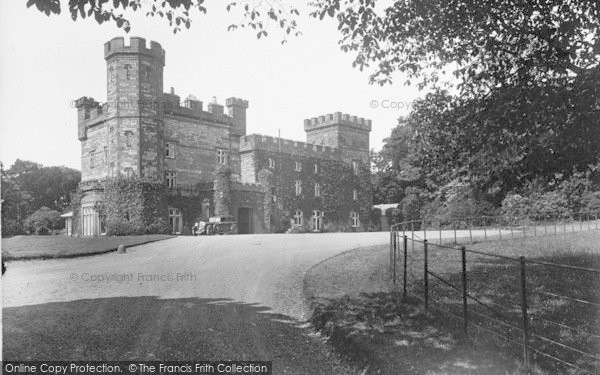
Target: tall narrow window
{"points": [[298, 186], [170, 179], [271, 163], [170, 150], [298, 166], [273, 195], [221, 157], [316, 168], [298, 218], [317, 190], [92, 159], [355, 219], [354, 195], [355, 167], [175, 220], [127, 69]]}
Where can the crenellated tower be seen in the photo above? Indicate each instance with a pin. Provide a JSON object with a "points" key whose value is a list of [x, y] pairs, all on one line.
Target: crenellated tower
{"points": [[348, 133], [134, 81]]}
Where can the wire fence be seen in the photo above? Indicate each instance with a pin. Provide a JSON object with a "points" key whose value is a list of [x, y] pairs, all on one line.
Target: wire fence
{"points": [[549, 312], [487, 228]]}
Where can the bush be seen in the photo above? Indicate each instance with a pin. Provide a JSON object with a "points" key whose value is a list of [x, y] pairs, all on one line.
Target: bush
{"points": [[515, 205], [590, 202], [550, 203], [43, 221]]}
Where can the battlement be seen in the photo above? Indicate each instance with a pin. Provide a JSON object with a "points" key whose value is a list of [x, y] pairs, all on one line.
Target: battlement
{"points": [[230, 102], [273, 144], [135, 45], [337, 118]]}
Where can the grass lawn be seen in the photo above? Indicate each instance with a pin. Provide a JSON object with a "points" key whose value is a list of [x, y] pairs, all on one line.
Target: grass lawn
{"points": [[46, 247], [555, 321]]}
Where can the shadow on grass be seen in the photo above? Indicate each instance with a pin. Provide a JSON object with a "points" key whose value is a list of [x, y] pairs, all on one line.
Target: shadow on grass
{"points": [[148, 328], [563, 306], [388, 335]]}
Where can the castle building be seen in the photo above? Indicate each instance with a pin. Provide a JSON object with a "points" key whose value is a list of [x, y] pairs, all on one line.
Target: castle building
{"points": [[205, 161]]}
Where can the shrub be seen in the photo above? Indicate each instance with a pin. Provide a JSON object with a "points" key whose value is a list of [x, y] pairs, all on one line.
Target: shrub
{"points": [[550, 203], [43, 221], [590, 202], [515, 205]]}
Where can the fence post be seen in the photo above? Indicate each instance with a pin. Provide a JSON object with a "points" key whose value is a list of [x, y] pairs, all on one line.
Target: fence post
{"points": [[484, 231], [391, 247], [464, 282], [424, 226], [524, 312], [405, 261], [500, 229], [469, 222], [454, 228], [440, 226], [394, 260], [425, 274], [588, 220], [512, 234]]}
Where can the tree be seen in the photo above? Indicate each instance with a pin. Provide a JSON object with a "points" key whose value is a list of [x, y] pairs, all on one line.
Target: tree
{"points": [[487, 44], [28, 186], [256, 14], [43, 221]]}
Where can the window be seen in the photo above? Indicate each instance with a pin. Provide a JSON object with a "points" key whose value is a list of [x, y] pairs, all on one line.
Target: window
{"points": [[127, 69], [317, 190], [355, 167], [317, 220], [298, 218], [271, 163], [221, 157], [316, 168], [273, 195], [175, 220], [92, 159], [170, 178], [354, 195], [298, 166], [90, 220], [170, 150], [355, 219], [298, 187]]}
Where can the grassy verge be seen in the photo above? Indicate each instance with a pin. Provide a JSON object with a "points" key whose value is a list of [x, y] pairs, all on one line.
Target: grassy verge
{"points": [[48, 247], [354, 307]]}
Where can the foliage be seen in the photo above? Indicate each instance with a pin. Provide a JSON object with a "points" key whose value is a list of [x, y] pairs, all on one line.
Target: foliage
{"points": [[133, 206], [222, 196], [28, 186], [256, 15], [336, 179], [43, 221], [590, 202], [486, 44]]}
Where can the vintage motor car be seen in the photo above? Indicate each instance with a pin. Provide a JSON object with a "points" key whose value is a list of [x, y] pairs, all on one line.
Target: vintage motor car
{"points": [[216, 225]]}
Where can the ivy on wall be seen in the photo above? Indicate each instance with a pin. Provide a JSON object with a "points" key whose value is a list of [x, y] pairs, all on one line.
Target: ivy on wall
{"points": [[337, 181], [222, 195], [133, 206]]}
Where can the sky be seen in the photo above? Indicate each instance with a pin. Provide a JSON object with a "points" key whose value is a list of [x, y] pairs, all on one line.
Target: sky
{"points": [[46, 62]]}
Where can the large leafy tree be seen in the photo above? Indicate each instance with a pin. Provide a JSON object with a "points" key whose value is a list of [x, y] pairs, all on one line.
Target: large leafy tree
{"points": [[486, 44], [28, 186], [511, 137]]}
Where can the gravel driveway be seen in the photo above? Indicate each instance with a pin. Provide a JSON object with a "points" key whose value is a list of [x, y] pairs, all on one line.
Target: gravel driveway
{"points": [[233, 296]]}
